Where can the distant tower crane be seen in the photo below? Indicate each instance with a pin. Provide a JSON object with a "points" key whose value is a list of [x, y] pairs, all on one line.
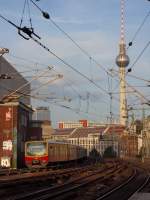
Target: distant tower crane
{"points": [[122, 61]]}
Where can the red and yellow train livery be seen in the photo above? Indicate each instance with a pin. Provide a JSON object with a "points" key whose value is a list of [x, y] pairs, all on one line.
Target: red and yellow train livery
{"points": [[42, 153]]}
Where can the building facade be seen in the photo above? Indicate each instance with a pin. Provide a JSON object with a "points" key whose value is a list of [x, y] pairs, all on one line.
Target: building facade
{"points": [[81, 123], [130, 145], [41, 114], [146, 137], [14, 124], [98, 138], [94, 139], [39, 130]]}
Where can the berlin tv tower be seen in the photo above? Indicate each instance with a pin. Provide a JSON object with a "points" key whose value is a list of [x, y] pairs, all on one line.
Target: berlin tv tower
{"points": [[122, 61]]}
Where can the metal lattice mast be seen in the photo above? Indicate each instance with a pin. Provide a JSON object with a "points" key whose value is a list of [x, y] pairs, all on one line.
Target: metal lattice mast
{"points": [[122, 61]]}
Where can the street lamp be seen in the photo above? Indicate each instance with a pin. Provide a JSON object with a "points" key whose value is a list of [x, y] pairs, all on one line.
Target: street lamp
{"points": [[3, 51], [5, 76]]}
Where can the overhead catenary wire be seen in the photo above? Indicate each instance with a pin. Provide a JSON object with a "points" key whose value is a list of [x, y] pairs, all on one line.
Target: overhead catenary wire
{"points": [[139, 78], [64, 62], [144, 86], [69, 37], [45, 84], [52, 53], [139, 93], [139, 56], [136, 100], [26, 3], [42, 64], [133, 76], [69, 65], [27, 60], [55, 103], [24, 85], [139, 29], [44, 99]]}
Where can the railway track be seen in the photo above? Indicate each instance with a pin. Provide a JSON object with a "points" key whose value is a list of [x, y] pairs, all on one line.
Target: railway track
{"points": [[45, 180], [67, 190], [12, 172], [124, 191], [7, 181]]}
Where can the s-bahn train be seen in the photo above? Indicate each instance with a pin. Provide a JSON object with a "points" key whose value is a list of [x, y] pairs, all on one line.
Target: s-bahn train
{"points": [[43, 153]]}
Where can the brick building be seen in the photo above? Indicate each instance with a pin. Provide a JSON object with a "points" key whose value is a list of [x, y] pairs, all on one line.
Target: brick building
{"points": [[14, 124]]}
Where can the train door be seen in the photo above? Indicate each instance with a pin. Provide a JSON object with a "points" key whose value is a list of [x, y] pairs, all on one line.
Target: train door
{"points": [[51, 150]]}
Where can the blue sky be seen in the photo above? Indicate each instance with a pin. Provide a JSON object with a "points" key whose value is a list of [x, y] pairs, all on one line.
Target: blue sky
{"points": [[95, 26]]}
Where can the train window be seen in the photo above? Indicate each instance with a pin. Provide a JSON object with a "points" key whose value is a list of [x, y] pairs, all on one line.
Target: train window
{"points": [[36, 149]]}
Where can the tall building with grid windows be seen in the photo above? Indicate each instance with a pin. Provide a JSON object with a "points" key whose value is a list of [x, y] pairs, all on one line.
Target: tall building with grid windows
{"points": [[41, 114]]}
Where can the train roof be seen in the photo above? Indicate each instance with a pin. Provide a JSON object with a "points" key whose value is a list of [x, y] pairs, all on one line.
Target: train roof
{"points": [[53, 142], [49, 142], [57, 142]]}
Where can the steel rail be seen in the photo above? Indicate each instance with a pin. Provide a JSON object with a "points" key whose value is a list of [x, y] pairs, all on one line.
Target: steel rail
{"points": [[7, 181], [118, 187], [70, 186], [114, 190]]}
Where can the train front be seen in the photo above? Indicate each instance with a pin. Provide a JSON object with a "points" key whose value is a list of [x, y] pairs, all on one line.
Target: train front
{"points": [[36, 154]]}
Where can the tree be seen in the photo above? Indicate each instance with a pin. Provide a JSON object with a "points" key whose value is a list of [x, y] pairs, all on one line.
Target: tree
{"points": [[94, 155], [109, 152], [142, 152]]}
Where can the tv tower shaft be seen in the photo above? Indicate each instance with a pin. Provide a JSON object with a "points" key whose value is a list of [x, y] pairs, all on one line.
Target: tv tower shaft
{"points": [[122, 61], [123, 100]]}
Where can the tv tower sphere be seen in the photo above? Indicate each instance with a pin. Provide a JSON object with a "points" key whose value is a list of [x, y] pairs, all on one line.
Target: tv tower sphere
{"points": [[122, 59]]}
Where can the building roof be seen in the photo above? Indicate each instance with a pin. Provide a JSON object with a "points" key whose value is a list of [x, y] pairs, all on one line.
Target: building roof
{"points": [[84, 132], [17, 103], [116, 129], [65, 131]]}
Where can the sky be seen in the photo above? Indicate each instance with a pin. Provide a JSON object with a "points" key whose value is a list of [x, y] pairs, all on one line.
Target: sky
{"points": [[95, 26]]}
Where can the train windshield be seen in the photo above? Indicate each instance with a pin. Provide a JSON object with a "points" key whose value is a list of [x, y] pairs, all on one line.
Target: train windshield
{"points": [[36, 149]]}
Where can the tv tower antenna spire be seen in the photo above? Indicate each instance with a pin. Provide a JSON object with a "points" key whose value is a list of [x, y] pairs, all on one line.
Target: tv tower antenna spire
{"points": [[122, 61]]}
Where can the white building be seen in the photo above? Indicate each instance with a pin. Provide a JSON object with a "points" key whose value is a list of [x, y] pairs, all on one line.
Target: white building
{"points": [[90, 138]]}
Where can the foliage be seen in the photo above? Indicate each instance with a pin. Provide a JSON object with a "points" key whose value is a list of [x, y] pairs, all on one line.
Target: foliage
{"points": [[95, 155], [109, 152], [142, 152]]}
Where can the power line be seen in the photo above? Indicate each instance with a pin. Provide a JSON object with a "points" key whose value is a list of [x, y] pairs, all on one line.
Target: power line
{"points": [[24, 85], [139, 78], [68, 65], [31, 35], [139, 56], [139, 94], [54, 103], [68, 36], [24, 59], [139, 28]]}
